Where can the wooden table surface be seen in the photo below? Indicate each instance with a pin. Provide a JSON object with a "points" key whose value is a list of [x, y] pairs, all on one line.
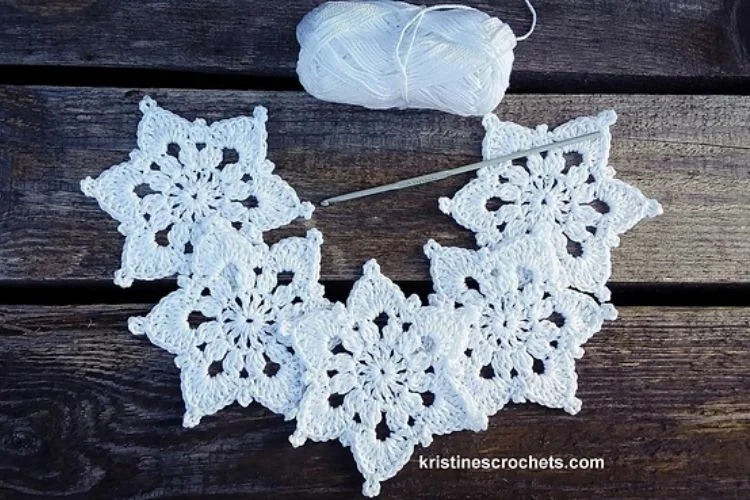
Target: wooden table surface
{"points": [[88, 410]]}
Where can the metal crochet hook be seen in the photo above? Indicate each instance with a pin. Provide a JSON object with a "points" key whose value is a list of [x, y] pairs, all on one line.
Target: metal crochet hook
{"points": [[437, 176]]}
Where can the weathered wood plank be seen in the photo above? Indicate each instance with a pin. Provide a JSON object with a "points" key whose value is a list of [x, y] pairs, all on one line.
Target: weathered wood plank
{"points": [[619, 41], [86, 409], [689, 152]]}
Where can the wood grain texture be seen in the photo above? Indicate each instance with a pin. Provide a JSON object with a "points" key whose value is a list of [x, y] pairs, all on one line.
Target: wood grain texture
{"points": [[580, 40], [88, 410], [689, 152]]}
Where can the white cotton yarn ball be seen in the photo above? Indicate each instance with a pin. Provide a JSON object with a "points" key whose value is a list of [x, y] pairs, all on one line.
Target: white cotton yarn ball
{"points": [[387, 54]]}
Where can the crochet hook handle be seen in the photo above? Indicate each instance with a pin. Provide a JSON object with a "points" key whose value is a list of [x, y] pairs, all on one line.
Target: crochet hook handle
{"points": [[437, 176]]}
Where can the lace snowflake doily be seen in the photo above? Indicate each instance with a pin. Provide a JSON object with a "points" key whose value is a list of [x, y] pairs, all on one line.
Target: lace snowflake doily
{"points": [[183, 172], [532, 325], [381, 377], [568, 193], [223, 322], [381, 373]]}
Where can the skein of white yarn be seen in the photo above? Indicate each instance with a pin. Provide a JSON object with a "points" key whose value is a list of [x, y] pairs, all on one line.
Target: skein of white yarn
{"points": [[388, 54]]}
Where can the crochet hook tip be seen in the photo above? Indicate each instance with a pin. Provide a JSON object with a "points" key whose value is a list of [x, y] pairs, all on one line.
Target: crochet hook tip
{"points": [[325, 203]]}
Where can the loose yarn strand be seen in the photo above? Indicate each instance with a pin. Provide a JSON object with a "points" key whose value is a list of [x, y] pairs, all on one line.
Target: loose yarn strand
{"points": [[418, 19], [533, 22]]}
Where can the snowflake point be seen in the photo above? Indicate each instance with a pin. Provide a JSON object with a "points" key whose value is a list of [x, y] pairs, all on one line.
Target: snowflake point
{"points": [[147, 104], [261, 113], [371, 268]]}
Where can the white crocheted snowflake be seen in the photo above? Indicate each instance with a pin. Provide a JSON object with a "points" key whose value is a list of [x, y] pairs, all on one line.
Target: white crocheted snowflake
{"points": [[382, 376], [569, 193], [223, 322], [183, 172], [531, 328]]}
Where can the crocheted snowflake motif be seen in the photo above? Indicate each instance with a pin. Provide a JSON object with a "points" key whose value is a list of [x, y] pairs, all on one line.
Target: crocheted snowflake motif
{"points": [[182, 173], [223, 322], [569, 192], [381, 375], [531, 327]]}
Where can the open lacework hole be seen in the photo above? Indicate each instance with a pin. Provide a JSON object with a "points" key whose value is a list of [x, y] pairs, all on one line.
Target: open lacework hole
{"points": [[599, 206], [338, 348], [495, 203], [143, 190], [471, 283], [173, 149], [487, 372], [271, 368], [382, 431], [250, 202], [519, 162], [284, 277], [228, 157], [537, 366], [574, 248], [557, 319], [196, 319], [572, 159], [216, 367], [162, 236], [335, 400], [381, 320]]}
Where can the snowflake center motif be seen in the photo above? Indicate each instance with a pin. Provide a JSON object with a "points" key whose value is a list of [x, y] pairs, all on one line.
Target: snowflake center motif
{"points": [[384, 369]]}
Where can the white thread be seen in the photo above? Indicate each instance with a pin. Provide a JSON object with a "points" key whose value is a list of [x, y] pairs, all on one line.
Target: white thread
{"points": [[533, 22], [389, 54]]}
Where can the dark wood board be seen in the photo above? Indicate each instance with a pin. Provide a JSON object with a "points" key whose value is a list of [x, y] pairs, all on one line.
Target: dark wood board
{"points": [[611, 42], [689, 152], [88, 410]]}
